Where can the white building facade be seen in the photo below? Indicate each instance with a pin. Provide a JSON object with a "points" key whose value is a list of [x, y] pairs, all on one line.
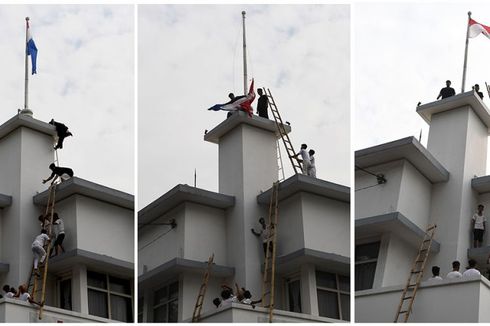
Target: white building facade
{"points": [[312, 264], [441, 184], [93, 280]]}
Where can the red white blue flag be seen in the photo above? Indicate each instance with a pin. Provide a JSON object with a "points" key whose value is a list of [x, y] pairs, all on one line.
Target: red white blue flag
{"points": [[31, 49], [243, 103]]}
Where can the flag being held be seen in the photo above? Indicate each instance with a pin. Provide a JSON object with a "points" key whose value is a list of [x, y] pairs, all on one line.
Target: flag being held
{"points": [[242, 102], [475, 29], [31, 48]]}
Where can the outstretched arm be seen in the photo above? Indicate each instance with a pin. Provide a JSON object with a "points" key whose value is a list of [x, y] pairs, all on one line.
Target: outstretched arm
{"points": [[50, 177], [255, 233]]}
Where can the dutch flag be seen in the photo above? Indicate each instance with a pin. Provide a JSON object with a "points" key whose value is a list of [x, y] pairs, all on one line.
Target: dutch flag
{"points": [[31, 49]]}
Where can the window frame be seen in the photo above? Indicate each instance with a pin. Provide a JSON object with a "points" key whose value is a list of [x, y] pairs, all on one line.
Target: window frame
{"points": [[368, 261], [337, 291], [165, 302]]}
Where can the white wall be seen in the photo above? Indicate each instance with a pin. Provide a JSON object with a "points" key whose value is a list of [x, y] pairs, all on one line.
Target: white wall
{"points": [[290, 234], [97, 225], [326, 224], [398, 257], [415, 196], [380, 199], [164, 248], [205, 234]]}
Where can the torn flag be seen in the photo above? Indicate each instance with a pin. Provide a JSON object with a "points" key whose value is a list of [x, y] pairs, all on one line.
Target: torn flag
{"points": [[31, 49], [242, 102], [476, 28]]}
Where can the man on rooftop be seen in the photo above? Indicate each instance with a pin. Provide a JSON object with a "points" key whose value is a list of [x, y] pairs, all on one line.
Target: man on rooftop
{"points": [[447, 91]]}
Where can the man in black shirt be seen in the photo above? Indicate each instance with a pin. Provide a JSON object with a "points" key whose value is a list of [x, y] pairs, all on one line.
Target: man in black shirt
{"points": [[262, 105], [62, 132], [447, 91], [476, 88], [58, 171]]}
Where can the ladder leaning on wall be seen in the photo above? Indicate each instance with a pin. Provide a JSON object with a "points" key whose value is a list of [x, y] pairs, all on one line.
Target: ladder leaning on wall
{"points": [[295, 162], [416, 273], [196, 315], [268, 280]]}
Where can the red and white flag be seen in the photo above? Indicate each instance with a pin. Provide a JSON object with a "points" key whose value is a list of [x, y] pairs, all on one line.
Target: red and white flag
{"points": [[476, 28]]}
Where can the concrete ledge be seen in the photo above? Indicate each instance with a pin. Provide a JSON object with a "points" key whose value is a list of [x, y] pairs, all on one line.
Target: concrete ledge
{"points": [[5, 201], [242, 313], [17, 311], [25, 121], [481, 184], [180, 194], [93, 260], [238, 118], [470, 99], [4, 267], [178, 265], [331, 261], [406, 148], [303, 183], [395, 223], [77, 186]]}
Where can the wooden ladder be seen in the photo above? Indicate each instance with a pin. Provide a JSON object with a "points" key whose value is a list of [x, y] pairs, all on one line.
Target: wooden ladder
{"points": [[279, 162], [196, 315], [43, 268], [270, 257], [282, 132], [415, 277]]}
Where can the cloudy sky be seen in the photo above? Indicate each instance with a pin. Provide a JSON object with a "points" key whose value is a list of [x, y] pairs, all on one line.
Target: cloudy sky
{"points": [[403, 54], [85, 79], [190, 58]]}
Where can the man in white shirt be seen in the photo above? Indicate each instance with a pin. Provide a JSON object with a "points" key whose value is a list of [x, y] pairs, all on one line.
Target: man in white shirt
{"points": [[38, 249], [305, 158], [471, 271], [7, 292], [59, 231], [478, 220], [312, 168], [435, 274], [455, 272], [265, 234]]}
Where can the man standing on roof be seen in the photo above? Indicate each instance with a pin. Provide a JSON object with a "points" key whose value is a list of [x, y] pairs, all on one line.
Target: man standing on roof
{"points": [[476, 88], [262, 104], [62, 132], [305, 158], [478, 221], [447, 91], [312, 167]]}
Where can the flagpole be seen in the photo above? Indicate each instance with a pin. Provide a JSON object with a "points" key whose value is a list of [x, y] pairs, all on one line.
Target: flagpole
{"points": [[466, 51], [244, 57], [26, 109]]}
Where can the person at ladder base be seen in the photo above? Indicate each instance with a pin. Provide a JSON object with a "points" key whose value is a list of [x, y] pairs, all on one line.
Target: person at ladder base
{"points": [[62, 132], [305, 158], [38, 249], [60, 172]]}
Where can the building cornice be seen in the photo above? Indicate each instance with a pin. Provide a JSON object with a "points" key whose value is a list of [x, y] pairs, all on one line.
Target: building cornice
{"points": [[239, 118], [406, 148], [303, 183], [470, 99], [26, 121], [181, 194], [77, 186], [395, 223], [481, 184]]}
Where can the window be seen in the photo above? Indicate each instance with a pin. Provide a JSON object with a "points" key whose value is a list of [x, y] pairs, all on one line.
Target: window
{"points": [[294, 295], [333, 293], [109, 297], [141, 306], [366, 260], [65, 294], [166, 303]]}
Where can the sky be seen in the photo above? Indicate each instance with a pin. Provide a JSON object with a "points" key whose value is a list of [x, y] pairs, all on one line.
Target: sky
{"points": [[85, 79], [403, 54], [190, 58]]}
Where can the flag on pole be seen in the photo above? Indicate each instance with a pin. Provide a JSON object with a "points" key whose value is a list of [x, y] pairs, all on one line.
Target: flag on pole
{"points": [[476, 29], [31, 49], [238, 103]]}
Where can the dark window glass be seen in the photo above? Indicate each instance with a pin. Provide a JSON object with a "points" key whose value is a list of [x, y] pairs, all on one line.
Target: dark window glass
{"points": [[160, 314], [119, 285], [345, 304], [367, 251], [344, 283], [97, 303], [294, 294], [173, 311], [65, 294], [327, 304], [326, 280], [121, 309], [365, 276], [97, 280]]}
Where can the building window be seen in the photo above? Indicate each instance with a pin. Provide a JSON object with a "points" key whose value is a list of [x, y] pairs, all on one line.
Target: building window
{"points": [[65, 294], [333, 293], [366, 260], [166, 303], [294, 295], [109, 297]]}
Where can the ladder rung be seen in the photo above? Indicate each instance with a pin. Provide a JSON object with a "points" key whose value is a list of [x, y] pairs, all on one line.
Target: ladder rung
{"points": [[404, 311], [427, 240], [415, 272], [407, 298], [411, 285]]}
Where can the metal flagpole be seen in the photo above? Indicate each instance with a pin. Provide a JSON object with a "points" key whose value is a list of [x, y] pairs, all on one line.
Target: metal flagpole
{"points": [[244, 57], [466, 51], [26, 110]]}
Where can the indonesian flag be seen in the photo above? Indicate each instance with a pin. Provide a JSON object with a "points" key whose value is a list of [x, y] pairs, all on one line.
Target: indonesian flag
{"points": [[476, 28], [243, 103]]}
